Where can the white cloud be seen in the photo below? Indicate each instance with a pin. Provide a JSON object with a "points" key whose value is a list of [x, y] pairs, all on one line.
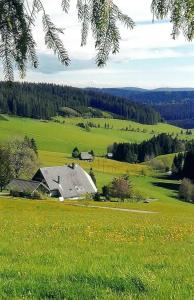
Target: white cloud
{"points": [[147, 42]]}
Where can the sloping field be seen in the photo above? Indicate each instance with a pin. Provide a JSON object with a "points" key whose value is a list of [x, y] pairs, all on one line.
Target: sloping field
{"points": [[55, 137]]}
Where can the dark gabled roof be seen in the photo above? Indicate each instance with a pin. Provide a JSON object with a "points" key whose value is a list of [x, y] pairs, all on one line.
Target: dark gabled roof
{"points": [[70, 181], [86, 156], [25, 185]]}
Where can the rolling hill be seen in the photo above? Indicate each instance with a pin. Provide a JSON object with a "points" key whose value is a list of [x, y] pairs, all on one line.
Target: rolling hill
{"points": [[92, 250], [44, 101], [62, 135], [176, 105]]}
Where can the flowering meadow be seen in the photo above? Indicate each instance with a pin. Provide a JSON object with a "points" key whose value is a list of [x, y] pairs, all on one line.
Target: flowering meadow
{"points": [[52, 250]]}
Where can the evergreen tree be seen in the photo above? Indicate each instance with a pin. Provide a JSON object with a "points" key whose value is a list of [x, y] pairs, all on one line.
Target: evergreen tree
{"points": [[188, 168], [75, 153], [92, 175], [34, 146], [177, 165]]}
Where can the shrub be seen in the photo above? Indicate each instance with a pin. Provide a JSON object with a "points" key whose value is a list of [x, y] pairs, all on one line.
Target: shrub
{"points": [[186, 191], [106, 192], [38, 196], [121, 188], [97, 197]]}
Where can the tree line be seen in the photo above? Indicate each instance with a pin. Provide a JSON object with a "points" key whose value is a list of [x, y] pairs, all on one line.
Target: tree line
{"points": [[44, 101], [157, 145]]}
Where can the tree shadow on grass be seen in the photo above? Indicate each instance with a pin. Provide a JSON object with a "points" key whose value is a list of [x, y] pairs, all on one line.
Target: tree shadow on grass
{"points": [[174, 187]]}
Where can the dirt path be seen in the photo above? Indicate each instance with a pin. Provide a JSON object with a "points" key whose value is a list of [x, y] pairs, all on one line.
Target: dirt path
{"points": [[117, 209]]}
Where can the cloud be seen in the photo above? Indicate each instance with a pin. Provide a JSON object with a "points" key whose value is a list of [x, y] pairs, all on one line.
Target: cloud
{"points": [[49, 64], [148, 56]]}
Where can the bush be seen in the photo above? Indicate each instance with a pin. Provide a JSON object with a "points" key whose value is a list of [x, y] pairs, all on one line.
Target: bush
{"points": [[97, 197], [121, 188], [38, 196], [186, 191], [15, 193], [106, 192], [26, 194]]}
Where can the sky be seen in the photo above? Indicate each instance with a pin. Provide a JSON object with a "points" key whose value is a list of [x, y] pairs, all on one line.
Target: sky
{"points": [[148, 57]]}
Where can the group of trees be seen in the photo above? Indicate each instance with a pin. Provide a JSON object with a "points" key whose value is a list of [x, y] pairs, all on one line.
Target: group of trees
{"points": [[183, 165], [18, 159], [43, 101], [157, 145]]}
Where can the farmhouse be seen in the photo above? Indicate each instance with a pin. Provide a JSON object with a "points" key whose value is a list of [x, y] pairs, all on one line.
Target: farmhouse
{"points": [[65, 182], [86, 156], [69, 181]]}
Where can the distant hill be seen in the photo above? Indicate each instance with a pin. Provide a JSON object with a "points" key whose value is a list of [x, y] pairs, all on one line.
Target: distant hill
{"points": [[176, 105], [44, 101]]}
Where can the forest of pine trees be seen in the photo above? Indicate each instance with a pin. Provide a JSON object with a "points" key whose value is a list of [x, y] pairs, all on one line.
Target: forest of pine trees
{"points": [[43, 101], [158, 145]]}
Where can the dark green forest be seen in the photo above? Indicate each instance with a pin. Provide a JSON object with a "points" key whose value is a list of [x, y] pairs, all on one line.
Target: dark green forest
{"points": [[182, 166], [176, 106], [43, 101], [158, 145]]}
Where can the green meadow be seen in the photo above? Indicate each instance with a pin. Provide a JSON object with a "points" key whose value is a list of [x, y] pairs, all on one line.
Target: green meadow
{"points": [[52, 250], [63, 137]]}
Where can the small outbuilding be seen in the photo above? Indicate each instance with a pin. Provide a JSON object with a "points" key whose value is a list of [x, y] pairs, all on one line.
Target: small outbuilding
{"points": [[26, 187], [86, 156], [109, 155]]}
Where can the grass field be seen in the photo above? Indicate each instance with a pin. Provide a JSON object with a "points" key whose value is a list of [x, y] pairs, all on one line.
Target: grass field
{"points": [[52, 250], [63, 138]]}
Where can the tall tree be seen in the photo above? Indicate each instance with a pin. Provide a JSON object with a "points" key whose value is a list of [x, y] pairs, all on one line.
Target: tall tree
{"points": [[6, 173], [23, 159], [188, 168]]}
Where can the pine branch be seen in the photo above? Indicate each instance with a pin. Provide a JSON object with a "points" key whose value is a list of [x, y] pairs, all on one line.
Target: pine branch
{"points": [[53, 41], [65, 5]]}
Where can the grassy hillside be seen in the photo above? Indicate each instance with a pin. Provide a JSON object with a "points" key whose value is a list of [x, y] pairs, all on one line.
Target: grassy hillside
{"points": [[52, 250], [59, 251], [63, 137]]}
